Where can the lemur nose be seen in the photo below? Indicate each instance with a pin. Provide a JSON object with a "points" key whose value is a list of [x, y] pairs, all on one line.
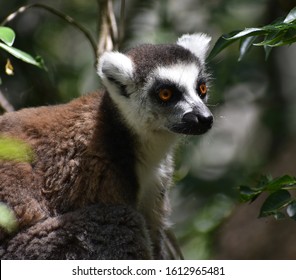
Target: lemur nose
{"points": [[203, 119], [190, 118], [206, 119], [197, 123]]}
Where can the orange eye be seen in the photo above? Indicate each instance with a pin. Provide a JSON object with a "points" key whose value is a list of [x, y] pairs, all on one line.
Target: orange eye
{"points": [[165, 94], [203, 89]]}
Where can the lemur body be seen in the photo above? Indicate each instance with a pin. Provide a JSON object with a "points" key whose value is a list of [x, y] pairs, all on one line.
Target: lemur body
{"points": [[115, 146]]}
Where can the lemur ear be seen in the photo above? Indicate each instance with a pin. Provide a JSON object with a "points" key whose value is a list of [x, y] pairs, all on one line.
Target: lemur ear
{"points": [[197, 43], [116, 68]]}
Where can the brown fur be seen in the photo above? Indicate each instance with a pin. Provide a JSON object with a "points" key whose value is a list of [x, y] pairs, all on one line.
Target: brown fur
{"points": [[71, 169], [95, 232]]}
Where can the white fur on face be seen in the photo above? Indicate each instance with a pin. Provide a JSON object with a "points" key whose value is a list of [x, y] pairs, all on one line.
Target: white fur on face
{"points": [[179, 74], [117, 70], [138, 111], [185, 75]]}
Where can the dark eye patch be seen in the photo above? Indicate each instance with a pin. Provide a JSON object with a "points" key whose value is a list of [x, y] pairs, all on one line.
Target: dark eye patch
{"points": [[159, 85]]}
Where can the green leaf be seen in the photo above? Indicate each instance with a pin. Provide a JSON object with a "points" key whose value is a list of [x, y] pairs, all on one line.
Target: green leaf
{"points": [[271, 39], [246, 44], [7, 35], [221, 44], [283, 43], [279, 183], [279, 38], [275, 202], [40, 60], [291, 16], [16, 150], [247, 32], [267, 50], [21, 55], [248, 194]]}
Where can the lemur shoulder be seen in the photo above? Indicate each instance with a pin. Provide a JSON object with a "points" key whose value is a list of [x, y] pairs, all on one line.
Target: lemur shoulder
{"points": [[116, 146]]}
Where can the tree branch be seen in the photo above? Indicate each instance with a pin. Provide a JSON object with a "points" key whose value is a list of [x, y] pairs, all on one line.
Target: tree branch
{"points": [[59, 14], [121, 24], [108, 31], [5, 104]]}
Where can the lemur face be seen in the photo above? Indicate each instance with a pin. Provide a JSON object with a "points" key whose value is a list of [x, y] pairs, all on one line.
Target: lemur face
{"points": [[161, 88]]}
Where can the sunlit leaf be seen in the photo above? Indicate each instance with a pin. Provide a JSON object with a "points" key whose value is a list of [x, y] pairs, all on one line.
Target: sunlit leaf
{"points": [[20, 55], [7, 35], [291, 16], [275, 202], [246, 32]]}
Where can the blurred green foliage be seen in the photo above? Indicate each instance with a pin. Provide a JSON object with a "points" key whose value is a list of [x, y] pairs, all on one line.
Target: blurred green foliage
{"points": [[8, 220], [253, 101], [16, 150]]}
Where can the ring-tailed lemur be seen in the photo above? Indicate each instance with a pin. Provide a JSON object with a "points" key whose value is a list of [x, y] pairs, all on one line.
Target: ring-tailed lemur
{"points": [[115, 146]]}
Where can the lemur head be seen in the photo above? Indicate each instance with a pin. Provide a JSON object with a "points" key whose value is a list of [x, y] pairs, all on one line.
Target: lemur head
{"points": [[161, 88]]}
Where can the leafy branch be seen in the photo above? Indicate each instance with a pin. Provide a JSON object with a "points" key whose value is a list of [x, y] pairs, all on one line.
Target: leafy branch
{"points": [[110, 37], [7, 36], [279, 202], [280, 33]]}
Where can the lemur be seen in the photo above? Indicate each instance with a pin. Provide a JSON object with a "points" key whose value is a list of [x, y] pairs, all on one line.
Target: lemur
{"points": [[115, 146]]}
